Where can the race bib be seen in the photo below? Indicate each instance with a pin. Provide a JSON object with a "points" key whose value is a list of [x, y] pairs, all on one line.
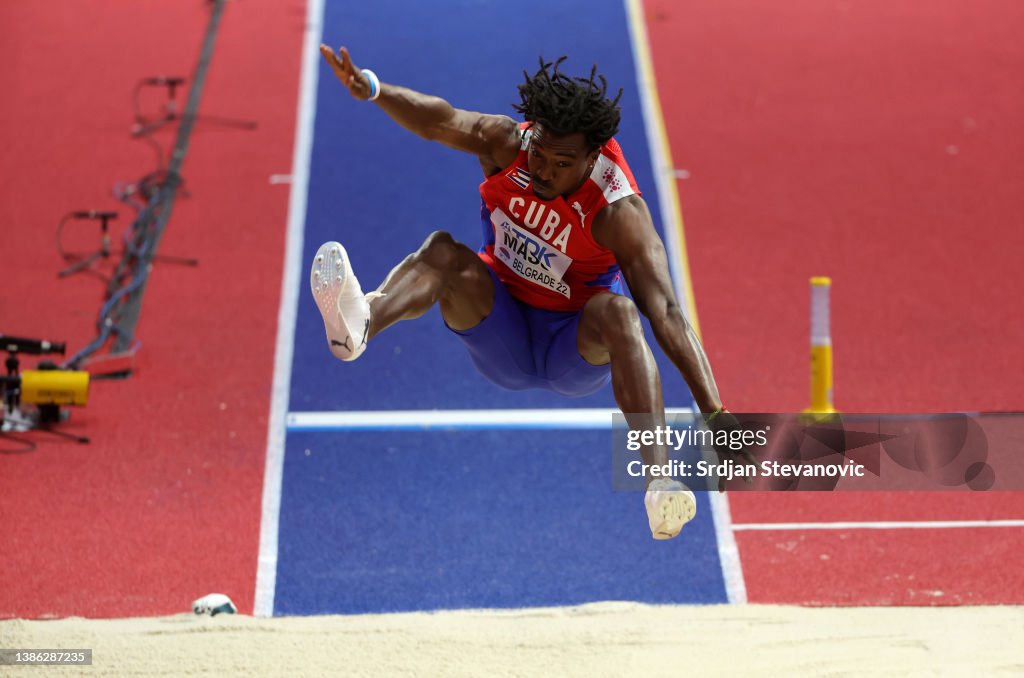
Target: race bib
{"points": [[529, 256]]}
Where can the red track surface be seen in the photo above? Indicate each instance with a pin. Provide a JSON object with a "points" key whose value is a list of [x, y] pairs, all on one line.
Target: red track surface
{"points": [[883, 567], [162, 507], [879, 143]]}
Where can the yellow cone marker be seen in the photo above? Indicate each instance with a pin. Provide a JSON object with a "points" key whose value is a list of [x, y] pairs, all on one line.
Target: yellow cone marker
{"points": [[821, 348]]}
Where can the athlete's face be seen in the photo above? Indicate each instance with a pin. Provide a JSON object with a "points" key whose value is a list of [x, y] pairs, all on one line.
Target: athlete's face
{"points": [[558, 164]]}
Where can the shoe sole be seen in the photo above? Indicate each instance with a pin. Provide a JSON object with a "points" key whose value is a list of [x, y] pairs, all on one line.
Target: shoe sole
{"points": [[327, 280], [676, 509]]}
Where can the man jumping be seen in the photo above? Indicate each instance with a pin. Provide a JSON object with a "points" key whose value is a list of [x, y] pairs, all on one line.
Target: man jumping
{"points": [[541, 304]]}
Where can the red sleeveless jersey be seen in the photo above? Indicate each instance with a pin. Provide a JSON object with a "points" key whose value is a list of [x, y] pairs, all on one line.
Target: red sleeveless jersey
{"points": [[543, 250]]}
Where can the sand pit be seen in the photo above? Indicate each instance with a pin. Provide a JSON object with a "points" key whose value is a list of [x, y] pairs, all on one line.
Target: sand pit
{"points": [[595, 639]]}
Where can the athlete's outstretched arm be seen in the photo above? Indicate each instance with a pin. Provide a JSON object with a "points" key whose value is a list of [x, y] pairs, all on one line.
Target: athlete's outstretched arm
{"points": [[625, 227], [492, 138]]}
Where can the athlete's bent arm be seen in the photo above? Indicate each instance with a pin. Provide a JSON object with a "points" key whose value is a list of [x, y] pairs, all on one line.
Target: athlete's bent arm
{"points": [[625, 227], [494, 139]]}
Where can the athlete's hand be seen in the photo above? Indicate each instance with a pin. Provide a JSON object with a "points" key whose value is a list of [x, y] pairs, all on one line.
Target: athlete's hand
{"points": [[350, 76], [727, 421]]}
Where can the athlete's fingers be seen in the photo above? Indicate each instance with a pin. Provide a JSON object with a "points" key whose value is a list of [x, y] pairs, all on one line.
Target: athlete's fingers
{"points": [[327, 53], [332, 60], [341, 63], [357, 83], [346, 60]]}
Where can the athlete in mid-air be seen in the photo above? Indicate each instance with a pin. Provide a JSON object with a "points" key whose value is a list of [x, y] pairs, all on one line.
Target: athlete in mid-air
{"points": [[541, 304]]}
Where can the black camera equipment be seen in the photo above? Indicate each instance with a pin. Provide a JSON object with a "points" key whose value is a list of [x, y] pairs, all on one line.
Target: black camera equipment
{"points": [[46, 388], [15, 345]]}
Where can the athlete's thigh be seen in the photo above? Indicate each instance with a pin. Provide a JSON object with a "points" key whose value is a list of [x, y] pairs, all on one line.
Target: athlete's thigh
{"points": [[565, 368], [468, 296], [590, 337], [500, 345]]}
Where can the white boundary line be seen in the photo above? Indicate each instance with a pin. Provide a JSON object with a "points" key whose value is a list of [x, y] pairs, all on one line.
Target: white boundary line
{"points": [[668, 202], [581, 418], [266, 570], [878, 525], [728, 550]]}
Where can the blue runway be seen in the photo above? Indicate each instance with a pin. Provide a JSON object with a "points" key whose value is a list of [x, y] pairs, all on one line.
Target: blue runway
{"points": [[385, 520], [381, 522]]}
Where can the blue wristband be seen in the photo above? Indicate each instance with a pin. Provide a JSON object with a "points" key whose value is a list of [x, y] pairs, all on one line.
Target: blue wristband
{"points": [[374, 84]]}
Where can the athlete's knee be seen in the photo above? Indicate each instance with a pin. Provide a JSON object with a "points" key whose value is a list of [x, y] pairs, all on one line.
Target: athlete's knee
{"points": [[620, 319], [439, 251]]}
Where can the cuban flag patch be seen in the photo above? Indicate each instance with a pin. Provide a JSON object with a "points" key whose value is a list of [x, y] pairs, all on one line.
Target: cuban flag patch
{"points": [[520, 177]]}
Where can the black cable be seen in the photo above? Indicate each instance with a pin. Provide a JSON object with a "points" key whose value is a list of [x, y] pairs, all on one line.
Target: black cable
{"points": [[110, 376], [157, 148], [60, 230], [165, 198], [119, 315], [139, 118], [29, 445], [145, 126]]}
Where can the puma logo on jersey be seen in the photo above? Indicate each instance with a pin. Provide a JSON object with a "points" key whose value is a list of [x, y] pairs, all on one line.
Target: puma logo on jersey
{"points": [[579, 210]]}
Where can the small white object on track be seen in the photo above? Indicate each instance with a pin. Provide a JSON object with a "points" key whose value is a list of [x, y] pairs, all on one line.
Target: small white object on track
{"points": [[214, 604]]}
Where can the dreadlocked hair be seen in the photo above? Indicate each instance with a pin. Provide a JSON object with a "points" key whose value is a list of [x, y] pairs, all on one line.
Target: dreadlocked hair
{"points": [[566, 105]]}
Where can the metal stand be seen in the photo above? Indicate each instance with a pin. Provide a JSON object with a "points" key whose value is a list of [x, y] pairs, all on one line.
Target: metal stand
{"points": [[145, 126], [84, 262], [102, 253]]}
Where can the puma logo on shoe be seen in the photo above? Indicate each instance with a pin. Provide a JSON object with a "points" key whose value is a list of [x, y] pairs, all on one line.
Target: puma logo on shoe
{"points": [[366, 332]]}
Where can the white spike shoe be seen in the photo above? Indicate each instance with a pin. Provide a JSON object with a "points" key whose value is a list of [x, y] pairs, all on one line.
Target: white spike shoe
{"points": [[670, 505], [341, 301]]}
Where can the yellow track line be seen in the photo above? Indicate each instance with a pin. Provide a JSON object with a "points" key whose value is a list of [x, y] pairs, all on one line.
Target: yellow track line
{"points": [[673, 220]]}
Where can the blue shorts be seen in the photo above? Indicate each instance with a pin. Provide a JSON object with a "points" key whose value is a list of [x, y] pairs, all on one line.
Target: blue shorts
{"points": [[518, 346]]}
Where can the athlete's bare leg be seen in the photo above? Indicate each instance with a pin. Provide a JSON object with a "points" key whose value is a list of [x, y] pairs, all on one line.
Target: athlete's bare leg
{"points": [[441, 270], [610, 331]]}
